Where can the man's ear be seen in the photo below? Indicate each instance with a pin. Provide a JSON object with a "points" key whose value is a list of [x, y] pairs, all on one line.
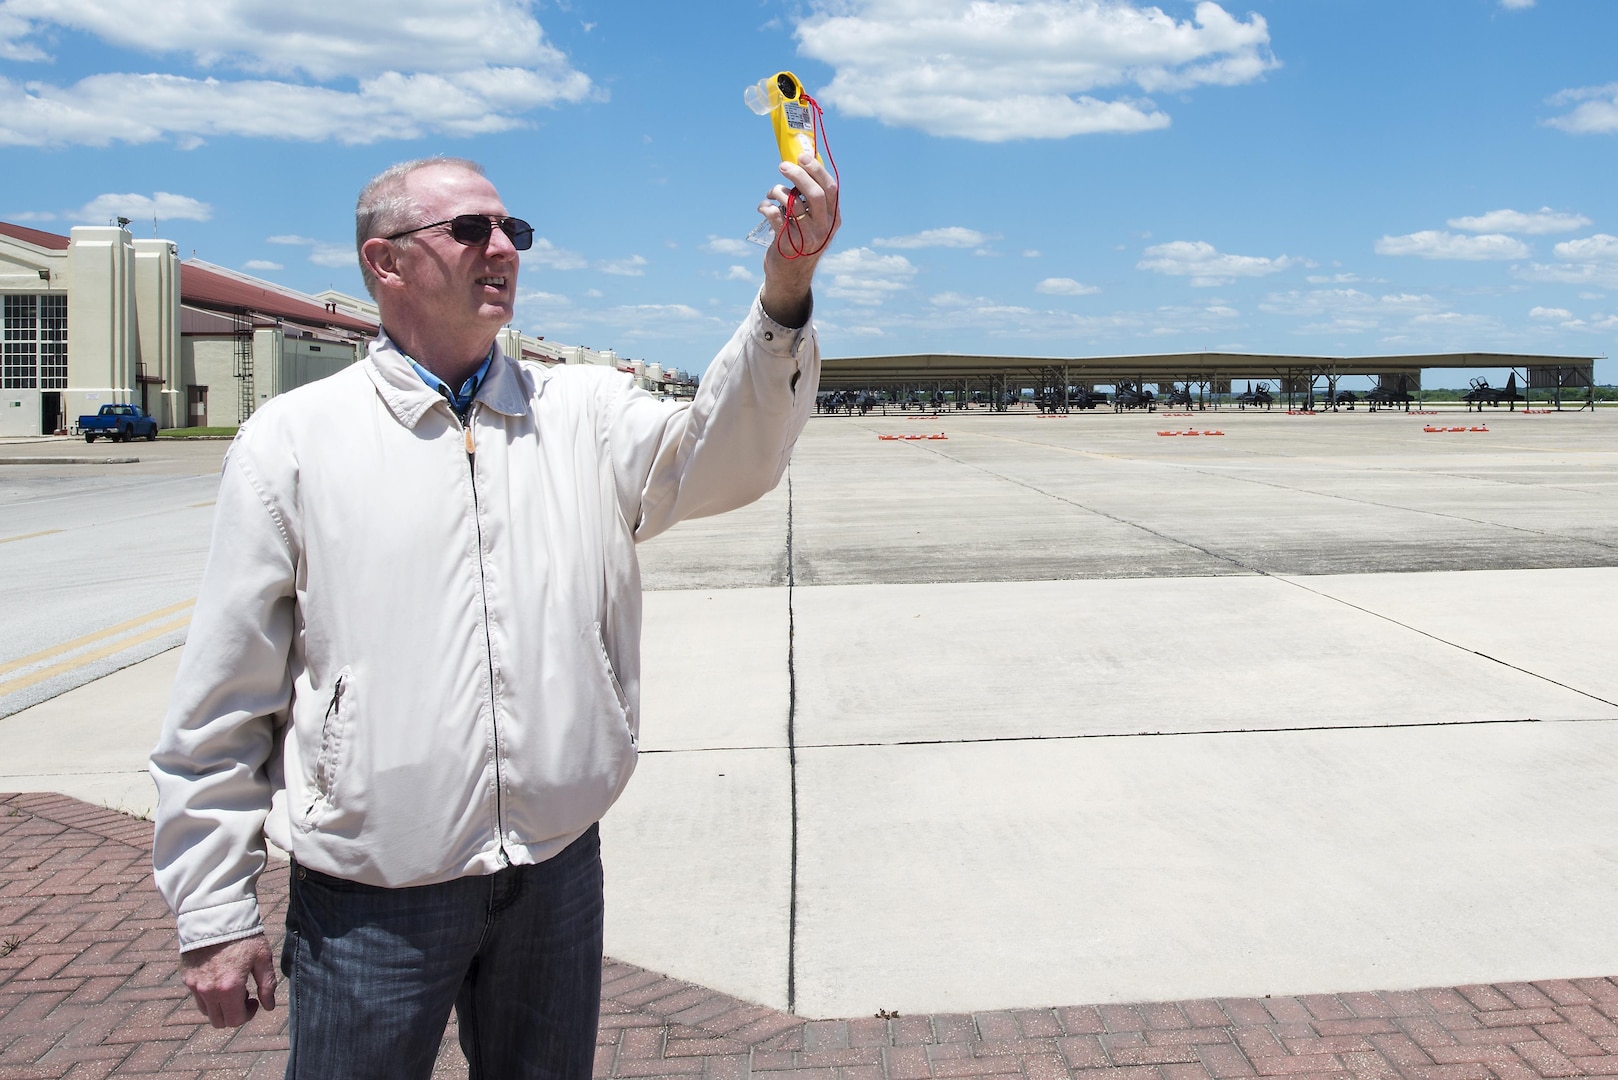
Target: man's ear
{"points": [[381, 259]]}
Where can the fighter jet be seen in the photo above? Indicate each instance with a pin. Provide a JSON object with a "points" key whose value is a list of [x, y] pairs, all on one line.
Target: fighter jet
{"points": [[1255, 396], [1482, 392], [1131, 396], [1383, 397]]}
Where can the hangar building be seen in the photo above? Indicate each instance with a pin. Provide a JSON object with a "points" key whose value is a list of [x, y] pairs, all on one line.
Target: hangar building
{"points": [[99, 316]]}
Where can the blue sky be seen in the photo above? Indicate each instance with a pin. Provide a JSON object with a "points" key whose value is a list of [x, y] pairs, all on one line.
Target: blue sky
{"points": [[1031, 177]]}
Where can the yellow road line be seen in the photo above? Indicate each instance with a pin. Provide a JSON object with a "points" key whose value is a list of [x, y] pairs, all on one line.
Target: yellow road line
{"points": [[23, 682], [90, 639], [30, 536]]}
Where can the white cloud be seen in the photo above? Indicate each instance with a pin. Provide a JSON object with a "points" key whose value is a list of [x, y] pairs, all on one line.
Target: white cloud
{"points": [[1591, 261], [1348, 311], [547, 254], [1205, 265], [1433, 244], [1542, 221], [1064, 286], [1556, 313], [1598, 248], [31, 215], [261, 264], [288, 37], [1396, 317], [163, 205], [1031, 253], [655, 321], [1589, 274], [994, 70], [448, 86], [725, 245], [739, 273], [103, 109], [953, 236], [540, 296], [1516, 5], [1332, 279], [321, 252], [1595, 110], [864, 276], [1034, 328], [634, 266]]}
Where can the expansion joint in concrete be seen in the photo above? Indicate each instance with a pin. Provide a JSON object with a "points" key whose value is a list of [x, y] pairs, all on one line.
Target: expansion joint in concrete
{"points": [[1259, 571], [792, 764]]}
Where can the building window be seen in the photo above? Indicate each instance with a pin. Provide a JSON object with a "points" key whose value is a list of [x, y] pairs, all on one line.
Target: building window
{"points": [[53, 342], [19, 360], [33, 342]]}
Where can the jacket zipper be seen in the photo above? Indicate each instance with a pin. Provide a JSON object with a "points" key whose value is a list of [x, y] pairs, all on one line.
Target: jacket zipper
{"points": [[488, 641]]}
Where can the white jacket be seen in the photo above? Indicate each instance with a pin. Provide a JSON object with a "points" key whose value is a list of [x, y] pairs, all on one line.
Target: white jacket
{"points": [[416, 651]]}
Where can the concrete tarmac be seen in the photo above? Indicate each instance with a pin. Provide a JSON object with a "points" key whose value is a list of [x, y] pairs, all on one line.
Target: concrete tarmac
{"points": [[101, 549], [1058, 711]]}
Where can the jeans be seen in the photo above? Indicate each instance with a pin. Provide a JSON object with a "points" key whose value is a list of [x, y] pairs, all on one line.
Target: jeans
{"points": [[372, 972]]}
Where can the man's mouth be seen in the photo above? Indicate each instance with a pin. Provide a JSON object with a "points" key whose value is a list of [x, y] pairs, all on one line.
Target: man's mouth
{"points": [[495, 282]]}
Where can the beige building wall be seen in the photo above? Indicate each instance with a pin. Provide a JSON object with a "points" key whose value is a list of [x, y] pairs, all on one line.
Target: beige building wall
{"points": [[280, 363], [304, 360], [210, 362], [103, 342], [21, 266], [157, 305]]}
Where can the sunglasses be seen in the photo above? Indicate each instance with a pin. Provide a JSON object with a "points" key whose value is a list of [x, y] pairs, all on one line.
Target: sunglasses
{"points": [[474, 230]]}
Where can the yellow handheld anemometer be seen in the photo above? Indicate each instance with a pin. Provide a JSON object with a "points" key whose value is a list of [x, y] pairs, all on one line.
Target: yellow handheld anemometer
{"points": [[781, 98], [799, 124]]}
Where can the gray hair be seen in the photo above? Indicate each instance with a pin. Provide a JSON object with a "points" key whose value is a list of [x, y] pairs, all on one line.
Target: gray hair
{"points": [[385, 206]]}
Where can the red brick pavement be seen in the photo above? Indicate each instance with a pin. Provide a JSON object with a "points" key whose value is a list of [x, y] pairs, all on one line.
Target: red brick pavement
{"points": [[88, 990]]}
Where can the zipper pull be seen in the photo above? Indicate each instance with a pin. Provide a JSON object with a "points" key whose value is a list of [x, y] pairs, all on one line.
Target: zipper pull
{"points": [[466, 429]]}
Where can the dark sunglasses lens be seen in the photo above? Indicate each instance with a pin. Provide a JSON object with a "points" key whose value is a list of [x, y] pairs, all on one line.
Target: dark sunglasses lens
{"points": [[470, 229], [520, 232]]}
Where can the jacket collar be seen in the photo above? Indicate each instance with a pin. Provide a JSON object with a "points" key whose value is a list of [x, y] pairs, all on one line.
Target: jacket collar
{"points": [[504, 390]]}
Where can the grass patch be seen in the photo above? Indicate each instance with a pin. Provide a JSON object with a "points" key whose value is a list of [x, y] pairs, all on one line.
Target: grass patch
{"points": [[194, 432]]}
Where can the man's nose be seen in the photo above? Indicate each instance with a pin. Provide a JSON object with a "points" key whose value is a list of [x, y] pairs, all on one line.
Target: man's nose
{"points": [[500, 244]]}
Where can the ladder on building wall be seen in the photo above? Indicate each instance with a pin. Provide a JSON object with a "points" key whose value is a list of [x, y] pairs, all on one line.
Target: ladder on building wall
{"points": [[245, 396]]}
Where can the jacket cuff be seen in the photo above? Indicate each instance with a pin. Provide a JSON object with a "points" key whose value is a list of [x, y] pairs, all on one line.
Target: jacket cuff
{"points": [[786, 342], [219, 924]]}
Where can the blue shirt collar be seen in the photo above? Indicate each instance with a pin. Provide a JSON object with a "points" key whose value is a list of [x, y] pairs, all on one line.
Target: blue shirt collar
{"points": [[461, 401]]}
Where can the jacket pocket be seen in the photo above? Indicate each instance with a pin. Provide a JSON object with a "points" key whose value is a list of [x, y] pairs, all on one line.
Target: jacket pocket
{"points": [[612, 678], [334, 731]]}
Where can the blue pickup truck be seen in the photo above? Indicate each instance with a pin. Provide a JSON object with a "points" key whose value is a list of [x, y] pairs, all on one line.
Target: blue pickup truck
{"points": [[120, 423]]}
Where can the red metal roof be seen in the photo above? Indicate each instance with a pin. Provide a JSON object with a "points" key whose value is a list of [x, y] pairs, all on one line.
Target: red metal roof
{"points": [[207, 288], [34, 236], [204, 287]]}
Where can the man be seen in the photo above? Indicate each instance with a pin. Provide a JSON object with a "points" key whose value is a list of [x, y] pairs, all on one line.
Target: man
{"points": [[414, 662]]}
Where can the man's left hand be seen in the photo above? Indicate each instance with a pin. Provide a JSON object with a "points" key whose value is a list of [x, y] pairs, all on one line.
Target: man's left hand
{"points": [[787, 280]]}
